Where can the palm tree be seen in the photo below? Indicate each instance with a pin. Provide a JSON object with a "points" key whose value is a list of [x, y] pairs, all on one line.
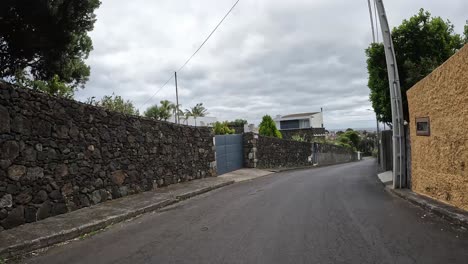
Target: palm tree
{"points": [[153, 112], [187, 114], [198, 111], [177, 113], [166, 109]]}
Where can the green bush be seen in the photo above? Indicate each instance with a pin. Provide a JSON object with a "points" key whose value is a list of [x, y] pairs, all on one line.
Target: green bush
{"points": [[223, 128], [268, 128], [298, 138]]}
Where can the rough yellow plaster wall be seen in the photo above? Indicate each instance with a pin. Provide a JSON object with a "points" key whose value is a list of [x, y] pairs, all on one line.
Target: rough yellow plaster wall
{"points": [[440, 161]]}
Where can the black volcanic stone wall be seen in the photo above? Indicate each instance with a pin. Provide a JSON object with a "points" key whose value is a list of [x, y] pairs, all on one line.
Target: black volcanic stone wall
{"points": [[270, 152], [60, 155], [277, 153]]}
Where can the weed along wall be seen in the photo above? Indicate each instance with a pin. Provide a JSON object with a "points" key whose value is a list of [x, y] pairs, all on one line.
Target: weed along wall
{"points": [[59, 155], [438, 107], [269, 152]]}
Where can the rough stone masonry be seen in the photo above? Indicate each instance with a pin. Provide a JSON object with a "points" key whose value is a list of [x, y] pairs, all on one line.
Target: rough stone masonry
{"points": [[60, 155]]}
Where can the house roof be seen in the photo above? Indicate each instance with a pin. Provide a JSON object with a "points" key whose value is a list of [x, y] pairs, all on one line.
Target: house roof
{"points": [[299, 115]]}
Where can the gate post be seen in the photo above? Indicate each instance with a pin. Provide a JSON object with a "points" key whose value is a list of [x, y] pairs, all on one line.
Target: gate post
{"points": [[250, 141]]}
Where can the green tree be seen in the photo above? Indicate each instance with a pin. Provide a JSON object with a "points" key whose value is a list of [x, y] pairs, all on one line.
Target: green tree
{"points": [[47, 38], [197, 111], [465, 32], [186, 115], [421, 44], [160, 112], [238, 122], [350, 138], [222, 128], [116, 103], [166, 109], [53, 86], [268, 128], [153, 112]]}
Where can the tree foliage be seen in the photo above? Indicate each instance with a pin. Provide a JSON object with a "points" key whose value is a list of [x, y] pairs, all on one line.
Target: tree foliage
{"points": [[298, 138], [163, 111], [238, 123], [115, 103], [43, 39], [53, 86], [268, 128], [421, 44], [350, 139], [197, 111], [222, 128]]}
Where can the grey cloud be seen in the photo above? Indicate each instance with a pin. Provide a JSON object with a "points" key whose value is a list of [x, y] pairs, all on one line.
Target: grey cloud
{"points": [[269, 57]]}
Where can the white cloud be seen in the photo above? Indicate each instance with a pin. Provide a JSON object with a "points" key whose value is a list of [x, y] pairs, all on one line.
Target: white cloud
{"points": [[268, 57]]}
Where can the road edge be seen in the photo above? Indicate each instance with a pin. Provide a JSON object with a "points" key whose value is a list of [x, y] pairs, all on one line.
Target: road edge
{"points": [[450, 213], [28, 246]]}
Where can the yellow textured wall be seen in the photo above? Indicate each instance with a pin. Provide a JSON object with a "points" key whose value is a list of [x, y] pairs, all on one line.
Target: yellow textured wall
{"points": [[440, 161]]}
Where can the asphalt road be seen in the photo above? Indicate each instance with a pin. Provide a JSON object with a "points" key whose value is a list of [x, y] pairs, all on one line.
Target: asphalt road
{"points": [[336, 214]]}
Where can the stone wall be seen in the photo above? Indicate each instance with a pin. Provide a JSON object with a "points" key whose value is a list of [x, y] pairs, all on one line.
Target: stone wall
{"points": [[309, 134], [269, 152], [59, 155], [327, 154], [440, 161]]}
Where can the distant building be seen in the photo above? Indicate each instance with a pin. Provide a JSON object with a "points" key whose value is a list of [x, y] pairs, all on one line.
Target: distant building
{"points": [[305, 125], [299, 121], [206, 121]]}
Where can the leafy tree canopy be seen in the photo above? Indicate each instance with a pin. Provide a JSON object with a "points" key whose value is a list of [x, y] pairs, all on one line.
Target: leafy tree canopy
{"points": [[197, 111], [268, 128], [46, 40], [161, 112], [350, 138], [222, 128], [238, 122], [421, 44], [115, 103]]}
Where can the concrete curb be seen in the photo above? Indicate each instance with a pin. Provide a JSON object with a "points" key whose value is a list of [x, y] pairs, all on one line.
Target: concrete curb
{"points": [[306, 167], [445, 211], [191, 194], [28, 245]]}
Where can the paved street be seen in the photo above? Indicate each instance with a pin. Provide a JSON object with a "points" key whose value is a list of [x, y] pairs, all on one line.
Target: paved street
{"points": [[336, 214]]}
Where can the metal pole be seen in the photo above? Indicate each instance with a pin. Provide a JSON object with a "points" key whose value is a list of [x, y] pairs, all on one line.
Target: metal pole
{"points": [[399, 172], [177, 117], [378, 139], [371, 20], [376, 21]]}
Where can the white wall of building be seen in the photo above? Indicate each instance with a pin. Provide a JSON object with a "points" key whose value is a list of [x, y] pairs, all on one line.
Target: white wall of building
{"points": [[316, 120], [206, 121]]}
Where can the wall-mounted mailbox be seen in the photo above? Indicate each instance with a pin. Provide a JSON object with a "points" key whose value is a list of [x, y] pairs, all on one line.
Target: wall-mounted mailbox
{"points": [[423, 126]]}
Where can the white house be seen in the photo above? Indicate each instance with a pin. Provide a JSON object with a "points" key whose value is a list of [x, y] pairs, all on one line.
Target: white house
{"points": [[299, 121]]}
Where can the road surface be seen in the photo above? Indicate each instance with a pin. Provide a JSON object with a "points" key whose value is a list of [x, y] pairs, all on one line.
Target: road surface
{"points": [[336, 214]]}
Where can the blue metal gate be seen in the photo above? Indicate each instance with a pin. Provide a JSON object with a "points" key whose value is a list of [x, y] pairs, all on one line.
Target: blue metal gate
{"points": [[229, 156]]}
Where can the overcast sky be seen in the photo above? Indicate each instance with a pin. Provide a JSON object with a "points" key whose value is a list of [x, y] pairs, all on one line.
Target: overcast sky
{"points": [[268, 57]]}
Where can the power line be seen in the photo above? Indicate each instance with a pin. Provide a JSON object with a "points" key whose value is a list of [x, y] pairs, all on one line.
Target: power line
{"points": [[193, 55], [151, 97], [209, 36]]}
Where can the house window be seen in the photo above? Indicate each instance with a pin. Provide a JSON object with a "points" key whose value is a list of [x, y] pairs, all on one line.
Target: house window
{"points": [[423, 126], [290, 124]]}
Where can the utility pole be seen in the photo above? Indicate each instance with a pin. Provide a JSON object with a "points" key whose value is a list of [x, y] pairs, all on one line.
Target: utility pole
{"points": [[399, 171], [371, 20], [177, 117]]}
